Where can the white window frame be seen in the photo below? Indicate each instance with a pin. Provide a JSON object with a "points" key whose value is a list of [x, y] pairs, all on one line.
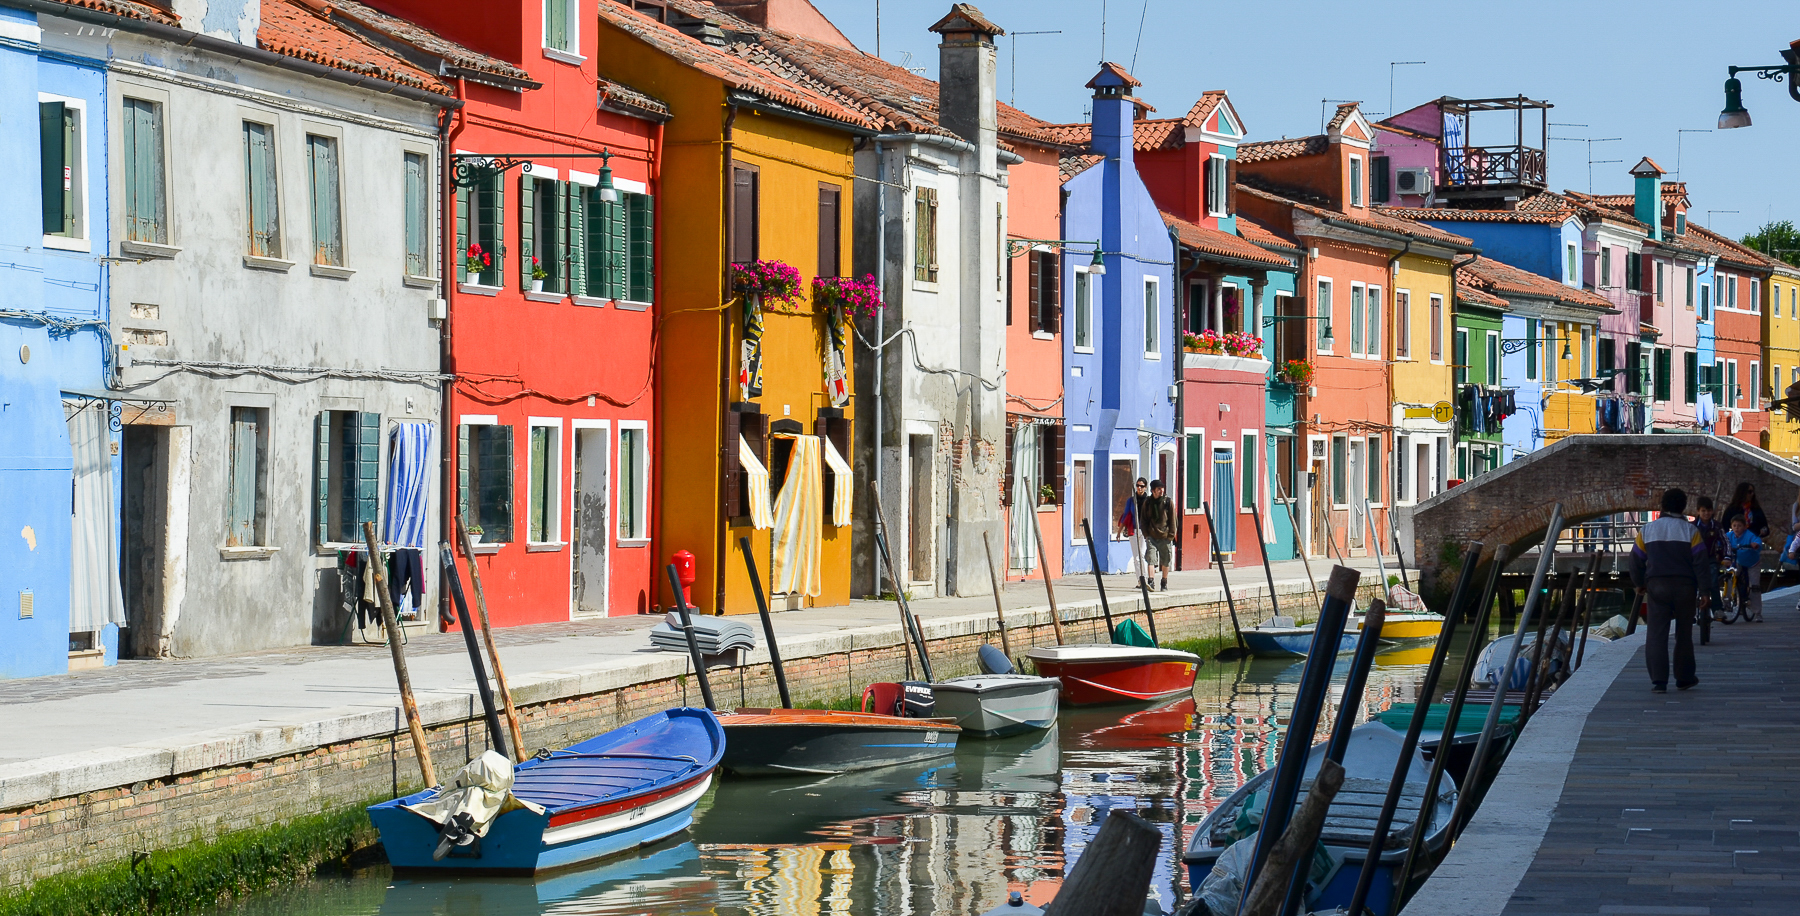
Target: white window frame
{"points": [[1152, 317], [1491, 354], [1324, 308], [1332, 470], [1445, 320], [1587, 352], [1358, 311], [1075, 535], [1250, 441], [1358, 174], [1402, 483], [1402, 326], [1217, 189], [1373, 449], [1137, 470], [576, 425], [642, 538], [1754, 388], [1083, 281], [82, 240], [1552, 336], [1373, 306], [553, 523], [1571, 264], [1188, 433], [557, 54], [1755, 297]]}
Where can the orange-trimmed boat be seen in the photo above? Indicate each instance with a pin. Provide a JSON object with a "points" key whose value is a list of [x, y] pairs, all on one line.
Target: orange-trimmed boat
{"points": [[1095, 674], [774, 742]]}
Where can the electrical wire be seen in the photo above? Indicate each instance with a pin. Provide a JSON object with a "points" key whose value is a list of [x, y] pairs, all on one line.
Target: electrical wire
{"points": [[220, 370]]}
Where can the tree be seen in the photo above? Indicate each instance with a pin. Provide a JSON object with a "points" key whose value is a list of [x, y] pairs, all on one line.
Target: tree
{"points": [[1778, 238]]}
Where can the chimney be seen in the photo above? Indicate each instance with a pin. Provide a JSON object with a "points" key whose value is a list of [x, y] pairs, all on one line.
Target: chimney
{"points": [[1647, 207], [697, 28], [966, 75], [1115, 113]]}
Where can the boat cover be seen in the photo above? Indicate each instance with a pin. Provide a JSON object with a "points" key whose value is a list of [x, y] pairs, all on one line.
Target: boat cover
{"points": [[482, 790]]}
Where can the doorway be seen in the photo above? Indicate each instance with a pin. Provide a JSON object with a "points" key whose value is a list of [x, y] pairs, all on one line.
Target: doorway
{"points": [[589, 489], [918, 509], [1358, 494], [1316, 502]]}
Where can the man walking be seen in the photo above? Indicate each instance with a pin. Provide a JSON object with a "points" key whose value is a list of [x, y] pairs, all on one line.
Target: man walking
{"points": [[1668, 563], [1159, 531]]}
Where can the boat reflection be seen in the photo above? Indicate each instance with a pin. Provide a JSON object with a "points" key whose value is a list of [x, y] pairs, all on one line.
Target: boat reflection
{"points": [[668, 874]]}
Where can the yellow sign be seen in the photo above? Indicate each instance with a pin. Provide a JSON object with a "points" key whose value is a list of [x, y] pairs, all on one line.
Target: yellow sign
{"points": [[1442, 412], [1419, 413]]}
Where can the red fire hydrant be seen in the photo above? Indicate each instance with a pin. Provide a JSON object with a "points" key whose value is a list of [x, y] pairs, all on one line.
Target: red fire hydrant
{"points": [[684, 571]]}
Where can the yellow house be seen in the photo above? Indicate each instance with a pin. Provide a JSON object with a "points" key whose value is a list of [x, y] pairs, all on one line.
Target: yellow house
{"points": [[753, 392], [1427, 361], [1781, 353]]}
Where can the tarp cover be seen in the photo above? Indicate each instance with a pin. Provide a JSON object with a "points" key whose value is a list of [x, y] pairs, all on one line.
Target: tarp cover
{"points": [[483, 790]]}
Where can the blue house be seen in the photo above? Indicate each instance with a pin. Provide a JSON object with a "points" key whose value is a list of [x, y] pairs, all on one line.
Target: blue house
{"points": [[1119, 341], [60, 602]]}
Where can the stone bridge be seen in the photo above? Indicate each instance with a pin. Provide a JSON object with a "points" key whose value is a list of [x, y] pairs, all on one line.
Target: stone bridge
{"points": [[1592, 476]]}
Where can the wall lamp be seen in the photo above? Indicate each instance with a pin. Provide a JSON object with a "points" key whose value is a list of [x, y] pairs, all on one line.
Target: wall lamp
{"points": [[1735, 115], [1511, 345], [1097, 266], [469, 170]]}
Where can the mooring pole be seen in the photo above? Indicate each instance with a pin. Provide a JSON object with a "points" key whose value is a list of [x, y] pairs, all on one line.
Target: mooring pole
{"points": [[687, 628], [908, 624], [994, 577], [1094, 558], [1049, 590], [1212, 535], [495, 733], [487, 636], [392, 622], [762, 609], [1263, 549]]}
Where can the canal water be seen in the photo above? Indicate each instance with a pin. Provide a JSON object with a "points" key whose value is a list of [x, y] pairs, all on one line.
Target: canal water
{"points": [[953, 837]]}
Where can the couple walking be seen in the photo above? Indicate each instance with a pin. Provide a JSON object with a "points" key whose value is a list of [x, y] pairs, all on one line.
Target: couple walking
{"points": [[1149, 520]]}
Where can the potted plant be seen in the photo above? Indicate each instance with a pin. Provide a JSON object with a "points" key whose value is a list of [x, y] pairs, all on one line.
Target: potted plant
{"points": [[858, 298], [1296, 372], [538, 273], [476, 261], [474, 534], [1207, 341], [766, 280], [1046, 495], [1241, 343]]}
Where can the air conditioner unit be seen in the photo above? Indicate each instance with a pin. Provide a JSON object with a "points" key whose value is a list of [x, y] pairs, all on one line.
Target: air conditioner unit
{"points": [[1412, 181]]}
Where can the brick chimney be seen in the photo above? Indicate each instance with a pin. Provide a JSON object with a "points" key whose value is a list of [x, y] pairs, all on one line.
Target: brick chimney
{"points": [[966, 75]]}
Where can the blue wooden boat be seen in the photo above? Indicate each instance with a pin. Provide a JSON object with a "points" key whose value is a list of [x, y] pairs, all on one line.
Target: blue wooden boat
{"points": [[609, 794], [1277, 637]]}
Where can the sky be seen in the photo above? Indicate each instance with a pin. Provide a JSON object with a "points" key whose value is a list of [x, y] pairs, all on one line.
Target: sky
{"points": [[1639, 71]]}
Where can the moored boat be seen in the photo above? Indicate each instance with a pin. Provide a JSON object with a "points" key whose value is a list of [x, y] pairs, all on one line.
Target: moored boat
{"points": [[1468, 734], [609, 794], [1278, 637], [999, 701], [1399, 628], [768, 742], [1093, 674]]}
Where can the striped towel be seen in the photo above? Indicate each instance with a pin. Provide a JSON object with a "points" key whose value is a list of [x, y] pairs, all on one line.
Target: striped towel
{"points": [[798, 535], [410, 462]]}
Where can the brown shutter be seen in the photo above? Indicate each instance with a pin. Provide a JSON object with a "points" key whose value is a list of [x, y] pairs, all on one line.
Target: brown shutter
{"points": [[828, 231], [1034, 295], [743, 214], [1052, 292], [1007, 266], [1058, 474], [1231, 186], [734, 472], [1006, 480]]}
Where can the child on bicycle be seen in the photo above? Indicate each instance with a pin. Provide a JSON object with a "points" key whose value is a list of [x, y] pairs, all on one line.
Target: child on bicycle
{"points": [[1746, 553], [1712, 539]]}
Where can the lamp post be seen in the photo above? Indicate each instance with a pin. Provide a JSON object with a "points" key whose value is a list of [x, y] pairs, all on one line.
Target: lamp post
{"points": [[1735, 115]]}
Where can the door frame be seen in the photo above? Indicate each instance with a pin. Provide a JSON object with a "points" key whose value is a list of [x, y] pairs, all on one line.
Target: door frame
{"points": [[606, 533]]}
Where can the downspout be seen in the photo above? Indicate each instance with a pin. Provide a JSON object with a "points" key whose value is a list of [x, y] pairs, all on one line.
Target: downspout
{"points": [[448, 499], [726, 151], [656, 296], [880, 329]]}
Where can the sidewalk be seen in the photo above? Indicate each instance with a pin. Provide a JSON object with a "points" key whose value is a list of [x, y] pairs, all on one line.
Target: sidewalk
{"points": [[160, 704]]}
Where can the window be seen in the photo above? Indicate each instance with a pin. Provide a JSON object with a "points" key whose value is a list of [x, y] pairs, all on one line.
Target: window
{"points": [[1124, 478], [1690, 381], [634, 481], [1044, 290], [1660, 370], [481, 221], [1402, 324], [1081, 474], [1587, 353], [484, 472], [1755, 296], [1681, 224], [1324, 316], [1531, 351], [830, 230], [1374, 328], [261, 191], [1374, 469], [613, 255], [1356, 319], [61, 137], [1152, 315], [1356, 181], [1571, 266], [925, 235], [1636, 368], [1193, 467], [347, 474], [1379, 172], [1605, 279], [327, 214], [560, 24], [1794, 302], [1731, 292], [1731, 383], [418, 216], [1608, 357], [1753, 391], [1050, 439], [246, 523], [1718, 383], [1248, 484], [1084, 312], [1290, 336], [146, 214], [1492, 368], [1460, 353], [1216, 186], [543, 232], [1687, 289], [1661, 269], [1437, 329], [1551, 339], [1287, 467], [1705, 301], [1402, 448], [1634, 271], [746, 202], [543, 483], [1339, 478]]}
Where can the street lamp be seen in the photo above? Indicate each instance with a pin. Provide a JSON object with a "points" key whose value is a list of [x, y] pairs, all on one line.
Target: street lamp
{"points": [[1735, 115], [608, 193]]}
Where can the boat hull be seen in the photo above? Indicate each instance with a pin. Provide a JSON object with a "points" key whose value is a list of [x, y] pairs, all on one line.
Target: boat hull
{"points": [[1409, 627], [995, 706], [1093, 675], [789, 742], [1289, 642]]}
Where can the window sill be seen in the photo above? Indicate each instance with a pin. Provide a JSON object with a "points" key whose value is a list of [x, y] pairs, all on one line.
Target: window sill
{"points": [[545, 546], [419, 282], [1042, 335], [545, 297], [925, 286], [632, 542], [1083, 349], [330, 271], [630, 306], [476, 289], [1052, 507], [247, 553], [564, 57], [589, 302], [484, 550], [255, 262], [150, 250], [64, 243], [1154, 356]]}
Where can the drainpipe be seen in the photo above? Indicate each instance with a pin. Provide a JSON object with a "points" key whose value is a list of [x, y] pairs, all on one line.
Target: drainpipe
{"points": [[722, 357], [447, 494], [881, 192], [656, 296]]}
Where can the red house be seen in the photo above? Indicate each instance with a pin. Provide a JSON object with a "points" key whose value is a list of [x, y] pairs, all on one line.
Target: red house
{"points": [[551, 249]]}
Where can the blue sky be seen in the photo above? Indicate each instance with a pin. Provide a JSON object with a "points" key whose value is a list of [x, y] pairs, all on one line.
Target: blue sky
{"points": [[1634, 70]]}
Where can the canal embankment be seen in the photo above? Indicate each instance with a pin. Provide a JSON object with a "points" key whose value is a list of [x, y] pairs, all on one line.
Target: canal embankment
{"points": [[157, 755]]}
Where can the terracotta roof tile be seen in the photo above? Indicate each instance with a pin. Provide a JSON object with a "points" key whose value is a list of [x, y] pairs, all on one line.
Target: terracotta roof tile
{"points": [[1209, 100], [294, 29], [1342, 115], [1708, 242], [1268, 150], [1591, 207], [626, 100], [1121, 73], [964, 17], [1075, 164], [395, 29], [1451, 215], [1258, 234], [1467, 291], [1224, 244], [1372, 220], [1506, 280], [1404, 131], [126, 9]]}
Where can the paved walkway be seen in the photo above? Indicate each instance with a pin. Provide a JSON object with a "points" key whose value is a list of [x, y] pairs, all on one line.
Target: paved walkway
{"points": [[1678, 804], [140, 704]]}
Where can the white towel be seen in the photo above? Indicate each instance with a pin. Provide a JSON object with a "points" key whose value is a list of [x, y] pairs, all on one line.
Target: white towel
{"points": [[840, 484], [760, 516]]}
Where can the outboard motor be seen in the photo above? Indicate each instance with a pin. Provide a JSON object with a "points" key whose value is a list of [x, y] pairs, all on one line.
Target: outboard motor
{"points": [[993, 661], [917, 701]]}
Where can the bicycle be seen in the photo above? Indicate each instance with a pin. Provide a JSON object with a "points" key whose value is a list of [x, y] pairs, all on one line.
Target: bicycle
{"points": [[1737, 597]]}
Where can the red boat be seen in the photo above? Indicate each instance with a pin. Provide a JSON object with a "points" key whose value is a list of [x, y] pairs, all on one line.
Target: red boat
{"points": [[1097, 674]]}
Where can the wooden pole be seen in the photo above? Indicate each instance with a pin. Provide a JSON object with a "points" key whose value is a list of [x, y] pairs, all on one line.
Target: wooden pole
{"points": [[1212, 536], [909, 624], [999, 612], [487, 636], [496, 734], [762, 609], [1113, 876], [392, 623], [1050, 590], [1094, 558], [1262, 548], [1294, 522], [1399, 554], [687, 627], [1293, 852]]}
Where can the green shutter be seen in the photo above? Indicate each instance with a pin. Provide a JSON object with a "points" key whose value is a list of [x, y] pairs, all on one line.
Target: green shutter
{"points": [[1690, 387], [463, 476], [462, 234], [556, 251], [490, 225], [52, 148], [368, 468], [322, 477], [642, 231], [556, 29], [577, 229], [617, 286], [527, 232], [142, 145], [594, 239], [418, 253], [1247, 489], [1196, 468]]}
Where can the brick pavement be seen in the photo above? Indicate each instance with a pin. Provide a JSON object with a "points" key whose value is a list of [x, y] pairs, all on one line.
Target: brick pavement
{"points": [[1685, 804]]}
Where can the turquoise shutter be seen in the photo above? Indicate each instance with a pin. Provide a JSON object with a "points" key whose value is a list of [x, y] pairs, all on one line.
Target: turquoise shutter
{"points": [[617, 286], [142, 144], [1196, 467], [576, 200], [367, 489], [642, 270], [462, 476], [527, 235], [557, 28], [53, 155], [462, 234], [322, 477], [131, 170]]}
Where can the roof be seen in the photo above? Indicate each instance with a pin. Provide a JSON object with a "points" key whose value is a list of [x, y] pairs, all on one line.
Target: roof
{"points": [[1117, 72], [1453, 215], [964, 17], [729, 68], [1209, 100], [1490, 276], [304, 31], [1708, 242], [619, 97], [1592, 207], [1343, 114], [1467, 290], [1075, 164], [126, 9], [1211, 241], [1647, 166], [1256, 233], [1672, 191], [1268, 150], [1374, 220], [393, 28], [1404, 131]]}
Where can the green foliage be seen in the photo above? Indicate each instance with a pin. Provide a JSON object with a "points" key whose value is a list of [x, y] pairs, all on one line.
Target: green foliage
{"points": [[201, 875], [841, 704], [1779, 239], [1450, 555], [1205, 646]]}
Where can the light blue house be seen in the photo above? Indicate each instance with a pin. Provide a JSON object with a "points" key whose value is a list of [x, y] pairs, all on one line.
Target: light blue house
{"points": [[59, 594], [1120, 349]]}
